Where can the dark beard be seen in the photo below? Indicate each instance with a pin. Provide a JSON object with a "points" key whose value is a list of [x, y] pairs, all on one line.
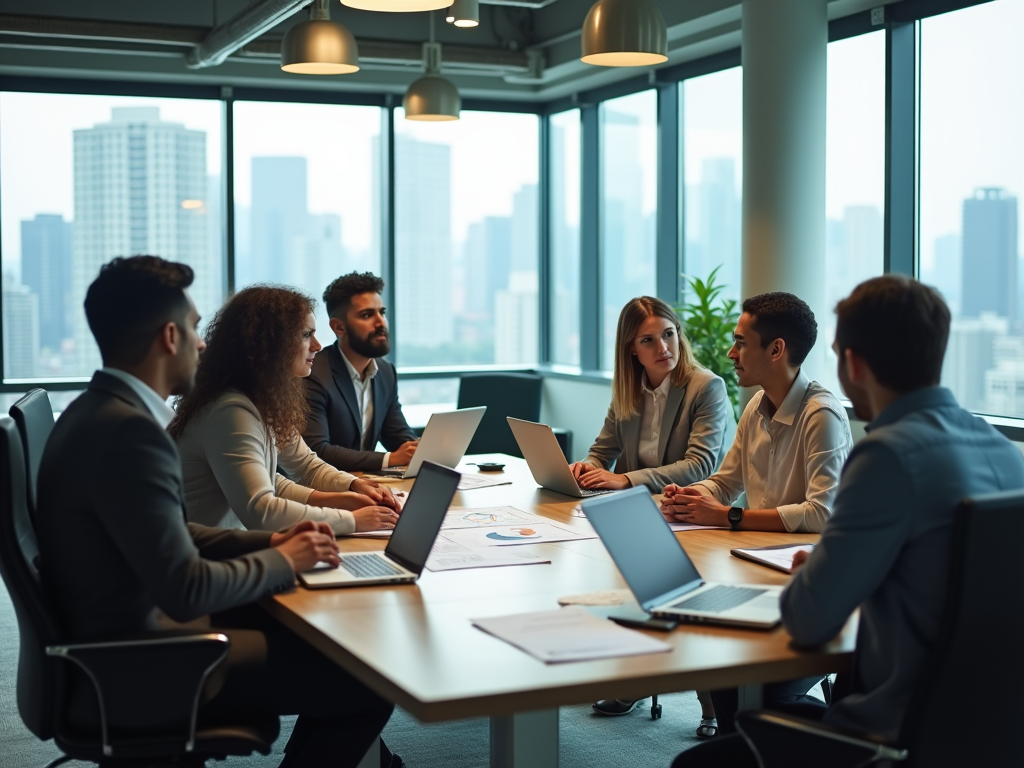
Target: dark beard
{"points": [[369, 346]]}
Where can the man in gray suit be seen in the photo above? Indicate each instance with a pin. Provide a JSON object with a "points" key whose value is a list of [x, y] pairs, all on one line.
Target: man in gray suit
{"points": [[119, 558], [352, 391]]}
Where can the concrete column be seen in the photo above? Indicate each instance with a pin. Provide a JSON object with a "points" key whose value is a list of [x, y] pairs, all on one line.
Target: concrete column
{"points": [[785, 46]]}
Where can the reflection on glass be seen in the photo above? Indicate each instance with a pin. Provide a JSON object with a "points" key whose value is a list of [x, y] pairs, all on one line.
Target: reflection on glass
{"points": [[629, 157], [306, 185], [565, 237], [88, 178], [972, 179], [466, 240]]}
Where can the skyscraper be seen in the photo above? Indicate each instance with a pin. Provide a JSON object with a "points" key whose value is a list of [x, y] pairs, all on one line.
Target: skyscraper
{"points": [[21, 331], [46, 266], [989, 264], [279, 218], [140, 187], [720, 224]]}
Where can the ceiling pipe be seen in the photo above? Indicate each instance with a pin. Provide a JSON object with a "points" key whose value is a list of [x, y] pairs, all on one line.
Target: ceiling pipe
{"points": [[244, 26]]}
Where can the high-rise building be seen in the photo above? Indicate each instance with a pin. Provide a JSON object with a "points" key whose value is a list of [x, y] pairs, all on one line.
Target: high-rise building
{"points": [[279, 218], [946, 271], [516, 313], [720, 224], [989, 265], [487, 261], [140, 187], [46, 266], [21, 331], [970, 352]]}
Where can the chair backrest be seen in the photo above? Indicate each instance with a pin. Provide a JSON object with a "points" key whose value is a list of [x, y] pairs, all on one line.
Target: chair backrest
{"points": [[976, 661], [505, 394], [39, 679], [34, 417]]}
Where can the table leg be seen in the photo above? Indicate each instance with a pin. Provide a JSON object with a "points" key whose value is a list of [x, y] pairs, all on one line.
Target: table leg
{"points": [[751, 697], [525, 740], [372, 757]]}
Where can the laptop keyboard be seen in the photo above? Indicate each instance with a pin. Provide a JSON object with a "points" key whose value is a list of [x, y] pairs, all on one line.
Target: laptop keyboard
{"points": [[594, 491], [718, 599], [368, 566]]}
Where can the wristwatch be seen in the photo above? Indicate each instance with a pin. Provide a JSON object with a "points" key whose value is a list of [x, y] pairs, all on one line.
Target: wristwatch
{"points": [[735, 517]]}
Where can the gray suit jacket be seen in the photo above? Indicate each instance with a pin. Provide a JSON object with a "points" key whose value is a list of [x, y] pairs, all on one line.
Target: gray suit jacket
{"points": [[335, 427], [696, 430], [116, 553]]}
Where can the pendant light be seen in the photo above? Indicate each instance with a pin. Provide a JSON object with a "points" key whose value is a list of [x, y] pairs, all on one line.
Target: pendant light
{"points": [[464, 13], [624, 33], [319, 46], [432, 98], [399, 6]]}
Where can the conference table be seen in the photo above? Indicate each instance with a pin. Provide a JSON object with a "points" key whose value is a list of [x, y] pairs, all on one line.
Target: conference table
{"points": [[415, 644]]}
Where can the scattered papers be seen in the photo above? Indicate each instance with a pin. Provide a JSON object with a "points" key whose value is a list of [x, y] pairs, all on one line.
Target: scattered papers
{"points": [[693, 527], [470, 517], [447, 555], [779, 557], [601, 597], [505, 535], [568, 634], [471, 482]]}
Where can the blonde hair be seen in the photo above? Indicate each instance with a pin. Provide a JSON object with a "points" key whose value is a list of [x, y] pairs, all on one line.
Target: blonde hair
{"points": [[627, 379]]}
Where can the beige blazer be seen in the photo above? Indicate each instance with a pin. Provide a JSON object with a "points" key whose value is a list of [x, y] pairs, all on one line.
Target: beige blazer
{"points": [[696, 430], [229, 466]]}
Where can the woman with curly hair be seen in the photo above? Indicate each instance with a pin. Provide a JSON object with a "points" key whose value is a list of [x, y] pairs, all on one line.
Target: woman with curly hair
{"points": [[244, 418]]}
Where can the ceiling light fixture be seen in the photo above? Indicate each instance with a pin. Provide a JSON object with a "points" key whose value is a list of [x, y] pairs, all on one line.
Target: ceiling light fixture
{"points": [[464, 13], [432, 98], [398, 6], [624, 33], [319, 46]]}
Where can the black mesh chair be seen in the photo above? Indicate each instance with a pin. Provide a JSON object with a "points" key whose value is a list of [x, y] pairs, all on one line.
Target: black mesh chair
{"points": [[148, 691], [34, 417], [974, 660], [505, 394]]}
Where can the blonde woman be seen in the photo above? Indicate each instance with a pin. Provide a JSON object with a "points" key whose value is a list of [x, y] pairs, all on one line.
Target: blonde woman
{"points": [[669, 419]]}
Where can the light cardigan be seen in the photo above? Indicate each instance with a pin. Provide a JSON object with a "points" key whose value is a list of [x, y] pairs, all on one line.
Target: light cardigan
{"points": [[229, 463]]}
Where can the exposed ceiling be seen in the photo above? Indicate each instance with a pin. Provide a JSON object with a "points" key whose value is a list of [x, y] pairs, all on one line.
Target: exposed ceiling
{"points": [[522, 50]]}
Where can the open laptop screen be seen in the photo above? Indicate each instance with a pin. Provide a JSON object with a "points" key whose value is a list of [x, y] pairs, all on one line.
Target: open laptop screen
{"points": [[422, 516], [640, 542]]}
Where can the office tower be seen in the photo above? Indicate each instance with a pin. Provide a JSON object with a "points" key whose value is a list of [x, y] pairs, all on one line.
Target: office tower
{"points": [[140, 187], [21, 330], [279, 217], [487, 260], [515, 315], [720, 224], [46, 267], [945, 274], [565, 254], [989, 264], [971, 352]]}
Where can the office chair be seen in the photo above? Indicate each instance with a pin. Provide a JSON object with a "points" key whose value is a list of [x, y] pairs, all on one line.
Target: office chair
{"points": [[148, 690], [982, 609], [505, 394], [34, 418]]}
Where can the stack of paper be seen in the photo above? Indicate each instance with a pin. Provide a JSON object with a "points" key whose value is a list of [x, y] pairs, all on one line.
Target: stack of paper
{"points": [[778, 557]]}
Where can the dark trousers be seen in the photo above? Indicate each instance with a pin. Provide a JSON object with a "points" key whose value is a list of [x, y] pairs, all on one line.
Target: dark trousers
{"points": [[271, 670], [789, 696]]}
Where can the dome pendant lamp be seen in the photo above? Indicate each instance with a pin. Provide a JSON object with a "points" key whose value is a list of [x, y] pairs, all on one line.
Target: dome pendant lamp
{"points": [[464, 13], [400, 6], [624, 33], [432, 98], [319, 46]]}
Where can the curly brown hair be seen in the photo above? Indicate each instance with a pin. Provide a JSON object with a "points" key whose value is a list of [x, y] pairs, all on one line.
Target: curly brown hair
{"points": [[250, 345]]}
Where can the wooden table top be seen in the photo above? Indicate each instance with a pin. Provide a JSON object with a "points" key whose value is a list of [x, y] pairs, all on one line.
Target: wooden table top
{"points": [[414, 644]]}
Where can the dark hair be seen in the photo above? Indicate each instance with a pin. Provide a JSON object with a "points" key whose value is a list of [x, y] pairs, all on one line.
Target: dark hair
{"points": [[899, 326], [780, 315], [250, 345], [131, 300], [338, 295]]}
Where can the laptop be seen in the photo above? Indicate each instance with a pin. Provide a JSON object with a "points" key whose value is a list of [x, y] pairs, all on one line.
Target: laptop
{"points": [[406, 554], [661, 575], [547, 463], [445, 440]]}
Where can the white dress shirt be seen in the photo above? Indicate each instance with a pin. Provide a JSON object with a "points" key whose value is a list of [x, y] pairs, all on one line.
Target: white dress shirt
{"points": [[158, 407], [651, 412], [364, 396], [791, 460]]}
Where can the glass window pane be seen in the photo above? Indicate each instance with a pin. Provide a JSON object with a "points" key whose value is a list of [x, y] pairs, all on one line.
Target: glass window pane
{"points": [[629, 159], [88, 178], [306, 195], [972, 179], [565, 237], [712, 135]]}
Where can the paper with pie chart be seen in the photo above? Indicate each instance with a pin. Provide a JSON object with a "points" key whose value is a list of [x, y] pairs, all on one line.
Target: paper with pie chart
{"points": [[521, 533]]}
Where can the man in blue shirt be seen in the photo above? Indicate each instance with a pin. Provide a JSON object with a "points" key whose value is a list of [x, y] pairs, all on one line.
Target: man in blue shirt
{"points": [[887, 546]]}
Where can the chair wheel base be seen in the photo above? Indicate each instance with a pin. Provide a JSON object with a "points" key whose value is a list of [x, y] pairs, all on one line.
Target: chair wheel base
{"points": [[656, 712]]}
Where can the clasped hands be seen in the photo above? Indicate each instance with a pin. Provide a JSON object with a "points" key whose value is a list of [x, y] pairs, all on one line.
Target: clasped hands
{"points": [[375, 507], [687, 505]]}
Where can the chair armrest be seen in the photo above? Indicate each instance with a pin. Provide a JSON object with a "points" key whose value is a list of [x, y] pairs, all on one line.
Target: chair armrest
{"points": [[793, 742], [149, 690]]}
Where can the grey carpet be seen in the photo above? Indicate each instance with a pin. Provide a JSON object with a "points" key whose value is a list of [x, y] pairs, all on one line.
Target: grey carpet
{"points": [[586, 740]]}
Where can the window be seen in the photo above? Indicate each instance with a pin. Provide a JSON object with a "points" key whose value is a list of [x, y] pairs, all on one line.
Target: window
{"points": [[629, 159], [88, 178], [565, 237], [712, 136], [306, 195], [972, 179]]}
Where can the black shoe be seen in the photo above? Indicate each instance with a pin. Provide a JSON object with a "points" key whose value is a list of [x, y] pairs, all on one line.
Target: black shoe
{"points": [[389, 759], [615, 707]]}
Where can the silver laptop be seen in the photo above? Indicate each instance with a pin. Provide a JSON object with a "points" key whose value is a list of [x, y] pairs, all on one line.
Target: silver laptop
{"points": [[445, 440], [547, 463], [661, 575], [410, 542]]}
